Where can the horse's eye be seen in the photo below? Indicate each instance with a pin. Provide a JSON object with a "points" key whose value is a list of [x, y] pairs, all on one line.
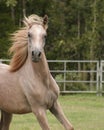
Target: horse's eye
{"points": [[45, 36], [29, 35]]}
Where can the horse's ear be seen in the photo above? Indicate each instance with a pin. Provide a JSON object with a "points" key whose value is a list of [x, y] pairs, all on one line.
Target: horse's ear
{"points": [[26, 21], [45, 21]]}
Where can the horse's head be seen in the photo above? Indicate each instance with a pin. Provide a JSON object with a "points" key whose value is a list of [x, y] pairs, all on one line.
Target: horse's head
{"points": [[36, 34]]}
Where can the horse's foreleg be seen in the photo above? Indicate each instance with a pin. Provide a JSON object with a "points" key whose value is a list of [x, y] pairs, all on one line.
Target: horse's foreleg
{"points": [[1, 120], [5, 120], [41, 117], [57, 111]]}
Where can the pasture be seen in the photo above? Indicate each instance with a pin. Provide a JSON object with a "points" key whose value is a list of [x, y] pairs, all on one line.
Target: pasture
{"points": [[86, 112]]}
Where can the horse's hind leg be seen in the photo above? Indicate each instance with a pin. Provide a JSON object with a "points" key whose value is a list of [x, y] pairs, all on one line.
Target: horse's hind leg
{"points": [[1, 121], [5, 120]]}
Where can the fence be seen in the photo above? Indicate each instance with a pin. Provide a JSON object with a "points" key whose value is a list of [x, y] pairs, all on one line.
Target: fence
{"points": [[77, 76], [101, 77]]}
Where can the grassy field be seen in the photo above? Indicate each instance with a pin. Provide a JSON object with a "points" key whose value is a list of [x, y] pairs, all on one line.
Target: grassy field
{"points": [[86, 112]]}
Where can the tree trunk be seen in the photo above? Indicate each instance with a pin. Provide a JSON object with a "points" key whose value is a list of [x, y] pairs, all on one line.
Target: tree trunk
{"points": [[80, 75], [92, 43], [13, 14], [78, 22], [24, 7]]}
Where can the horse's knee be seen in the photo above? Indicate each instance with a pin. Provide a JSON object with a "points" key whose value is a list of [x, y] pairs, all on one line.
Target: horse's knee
{"points": [[72, 128]]}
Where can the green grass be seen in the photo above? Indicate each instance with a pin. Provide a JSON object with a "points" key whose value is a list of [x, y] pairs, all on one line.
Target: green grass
{"points": [[86, 112]]}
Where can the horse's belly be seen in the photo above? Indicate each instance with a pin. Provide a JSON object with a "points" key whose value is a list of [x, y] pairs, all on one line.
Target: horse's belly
{"points": [[14, 106]]}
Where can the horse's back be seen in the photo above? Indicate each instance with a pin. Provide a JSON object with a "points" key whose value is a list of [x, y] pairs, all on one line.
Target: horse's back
{"points": [[4, 67], [4, 72]]}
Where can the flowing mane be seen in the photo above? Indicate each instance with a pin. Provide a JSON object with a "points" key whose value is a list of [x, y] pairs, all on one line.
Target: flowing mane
{"points": [[19, 47]]}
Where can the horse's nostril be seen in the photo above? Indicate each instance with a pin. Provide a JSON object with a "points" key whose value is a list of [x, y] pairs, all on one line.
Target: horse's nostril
{"points": [[32, 53], [36, 53], [39, 54]]}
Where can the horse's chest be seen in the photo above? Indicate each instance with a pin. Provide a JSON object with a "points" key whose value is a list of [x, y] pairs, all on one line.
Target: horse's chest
{"points": [[50, 98], [45, 97], [48, 95], [40, 93]]}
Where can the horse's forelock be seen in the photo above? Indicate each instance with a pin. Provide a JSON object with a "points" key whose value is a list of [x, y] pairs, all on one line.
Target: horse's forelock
{"points": [[35, 19]]}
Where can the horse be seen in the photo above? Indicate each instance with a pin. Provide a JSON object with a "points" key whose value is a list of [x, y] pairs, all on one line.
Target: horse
{"points": [[26, 84]]}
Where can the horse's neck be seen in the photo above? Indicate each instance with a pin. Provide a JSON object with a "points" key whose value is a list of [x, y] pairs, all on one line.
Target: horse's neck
{"points": [[40, 68]]}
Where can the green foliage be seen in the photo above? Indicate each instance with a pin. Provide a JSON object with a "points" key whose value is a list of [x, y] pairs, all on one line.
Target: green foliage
{"points": [[11, 2], [75, 26], [7, 27], [71, 86]]}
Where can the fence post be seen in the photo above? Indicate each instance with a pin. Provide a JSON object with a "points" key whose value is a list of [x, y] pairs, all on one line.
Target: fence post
{"points": [[101, 77], [64, 75], [98, 73]]}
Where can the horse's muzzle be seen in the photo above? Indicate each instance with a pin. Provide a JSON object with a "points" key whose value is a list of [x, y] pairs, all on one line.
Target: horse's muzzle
{"points": [[36, 55]]}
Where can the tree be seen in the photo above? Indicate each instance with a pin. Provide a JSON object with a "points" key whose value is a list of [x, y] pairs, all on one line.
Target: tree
{"points": [[75, 26]]}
